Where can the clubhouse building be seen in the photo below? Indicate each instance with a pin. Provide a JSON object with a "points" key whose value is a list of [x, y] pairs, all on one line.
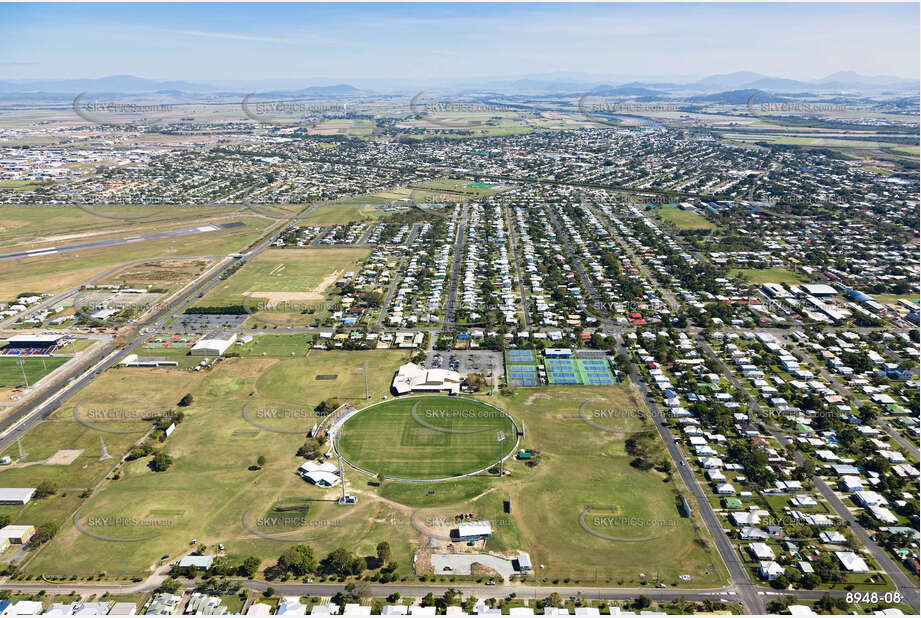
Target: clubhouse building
{"points": [[411, 378]]}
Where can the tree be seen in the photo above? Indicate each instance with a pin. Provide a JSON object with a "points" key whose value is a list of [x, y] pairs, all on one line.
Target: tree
{"points": [[260, 461], [4, 521], [341, 562], [250, 566], [383, 552], [45, 488], [298, 560], [170, 585], [186, 400], [360, 590], [161, 462], [43, 533]]}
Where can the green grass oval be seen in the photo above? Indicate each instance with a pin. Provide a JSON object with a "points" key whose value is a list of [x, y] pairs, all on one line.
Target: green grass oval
{"points": [[424, 438]]}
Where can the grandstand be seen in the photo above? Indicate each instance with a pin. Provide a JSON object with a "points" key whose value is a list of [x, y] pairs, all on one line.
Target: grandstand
{"points": [[33, 345]]}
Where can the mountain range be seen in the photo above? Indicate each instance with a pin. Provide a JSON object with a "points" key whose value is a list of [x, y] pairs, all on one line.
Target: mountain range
{"points": [[561, 82]]}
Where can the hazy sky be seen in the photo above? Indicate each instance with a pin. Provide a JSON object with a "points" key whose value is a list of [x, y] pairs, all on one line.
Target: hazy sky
{"points": [[438, 41]]}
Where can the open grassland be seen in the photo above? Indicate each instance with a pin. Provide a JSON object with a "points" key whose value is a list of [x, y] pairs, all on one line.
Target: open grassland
{"points": [[767, 275], [426, 437], [684, 219], [117, 401], [214, 494], [161, 274], [357, 209], [580, 464], [210, 493], [34, 227], [584, 466], [58, 272], [293, 275]]}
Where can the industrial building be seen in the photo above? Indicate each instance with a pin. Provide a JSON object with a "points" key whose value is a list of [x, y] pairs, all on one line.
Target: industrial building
{"points": [[214, 343]]}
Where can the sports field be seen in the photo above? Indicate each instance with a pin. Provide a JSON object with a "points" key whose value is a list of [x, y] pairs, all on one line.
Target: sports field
{"points": [[293, 276], [35, 369], [767, 275], [684, 219], [426, 437]]}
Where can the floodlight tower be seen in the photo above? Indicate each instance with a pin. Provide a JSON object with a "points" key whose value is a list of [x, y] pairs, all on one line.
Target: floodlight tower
{"points": [[501, 436]]}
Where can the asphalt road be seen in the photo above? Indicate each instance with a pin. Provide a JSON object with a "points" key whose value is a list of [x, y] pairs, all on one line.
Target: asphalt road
{"points": [[44, 404], [741, 582]]}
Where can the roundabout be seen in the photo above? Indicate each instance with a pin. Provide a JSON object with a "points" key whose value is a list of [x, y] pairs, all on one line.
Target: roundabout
{"points": [[426, 438]]}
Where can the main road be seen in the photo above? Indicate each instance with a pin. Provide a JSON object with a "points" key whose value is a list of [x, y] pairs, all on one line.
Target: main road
{"points": [[741, 581], [44, 404]]}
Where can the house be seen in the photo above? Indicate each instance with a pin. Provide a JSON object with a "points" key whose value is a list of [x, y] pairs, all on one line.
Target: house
{"points": [[60, 609], [23, 608], [163, 604], [123, 609], [761, 551], [259, 609], [832, 537], [803, 501], [744, 518], [325, 609], [291, 606], [869, 498], [725, 488], [99, 608], [204, 605], [753, 534], [851, 484], [852, 562], [770, 570]]}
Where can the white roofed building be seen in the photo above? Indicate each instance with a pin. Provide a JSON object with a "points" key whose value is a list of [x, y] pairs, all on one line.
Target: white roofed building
{"points": [[411, 378]]}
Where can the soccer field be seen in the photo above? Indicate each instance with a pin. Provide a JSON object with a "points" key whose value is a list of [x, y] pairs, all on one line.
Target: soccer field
{"points": [[428, 437]]}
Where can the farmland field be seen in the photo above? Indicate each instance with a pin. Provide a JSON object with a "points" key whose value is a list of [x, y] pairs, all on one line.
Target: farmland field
{"points": [[426, 437]]}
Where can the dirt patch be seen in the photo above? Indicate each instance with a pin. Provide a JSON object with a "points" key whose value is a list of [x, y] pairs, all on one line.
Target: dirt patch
{"points": [[273, 298], [478, 569], [532, 398], [64, 457]]}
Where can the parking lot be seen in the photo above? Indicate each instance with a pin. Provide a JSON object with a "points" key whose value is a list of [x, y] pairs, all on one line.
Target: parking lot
{"points": [[484, 362]]}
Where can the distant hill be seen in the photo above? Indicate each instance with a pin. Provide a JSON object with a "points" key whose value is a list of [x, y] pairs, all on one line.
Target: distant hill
{"points": [[738, 97], [111, 84], [728, 81], [626, 90], [337, 90]]}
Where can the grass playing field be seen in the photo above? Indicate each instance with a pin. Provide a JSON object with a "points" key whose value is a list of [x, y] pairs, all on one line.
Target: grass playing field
{"points": [[684, 219], [426, 437], [35, 369], [299, 276], [767, 275]]}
